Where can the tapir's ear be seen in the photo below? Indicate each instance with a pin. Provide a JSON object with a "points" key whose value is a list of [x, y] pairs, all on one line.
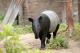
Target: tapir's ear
{"points": [[40, 18], [30, 19]]}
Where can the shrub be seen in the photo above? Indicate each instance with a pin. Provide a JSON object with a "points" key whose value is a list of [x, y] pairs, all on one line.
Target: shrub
{"points": [[76, 32], [11, 39], [13, 45], [63, 26], [1, 17], [58, 42], [6, 30], [23, 29]]}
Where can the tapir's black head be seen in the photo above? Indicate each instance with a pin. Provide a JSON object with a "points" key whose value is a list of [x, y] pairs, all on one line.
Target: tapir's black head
{"points": [[35, 27]]}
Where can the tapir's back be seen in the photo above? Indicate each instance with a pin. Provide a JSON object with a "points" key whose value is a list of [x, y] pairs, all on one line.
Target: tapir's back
{"points": [[54, 19]]}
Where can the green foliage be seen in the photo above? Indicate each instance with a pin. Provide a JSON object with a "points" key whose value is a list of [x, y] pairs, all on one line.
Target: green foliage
{"points": [[63, 26], [23, 29], [28, 29], [13, 45], [76, 32], [58, 42], [7, 30], [33, 51], [12, 41], [1, 17], [77, 26], [1, 51], [38, 51]]}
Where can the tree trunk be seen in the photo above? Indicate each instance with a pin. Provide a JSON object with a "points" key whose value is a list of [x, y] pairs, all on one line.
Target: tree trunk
{"points": [[79, 10], [69, 16]]}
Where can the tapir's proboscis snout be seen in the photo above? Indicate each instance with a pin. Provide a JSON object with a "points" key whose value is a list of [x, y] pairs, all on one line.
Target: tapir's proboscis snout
{"points": [[35, 27]]}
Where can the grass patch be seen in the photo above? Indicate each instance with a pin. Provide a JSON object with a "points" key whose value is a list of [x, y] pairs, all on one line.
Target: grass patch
{"points": [[39, 51], [12, 43], [1, 17], [28, 28], [23, 29], [58, 43], [6, 30], [76, 32], [62, 27]]}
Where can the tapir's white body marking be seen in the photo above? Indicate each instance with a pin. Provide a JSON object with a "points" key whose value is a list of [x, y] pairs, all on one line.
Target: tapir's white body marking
{"points": [[54, 19]]}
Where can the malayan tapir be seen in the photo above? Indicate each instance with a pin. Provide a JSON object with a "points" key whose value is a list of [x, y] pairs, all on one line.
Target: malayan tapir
{"points": [[46, 23]]}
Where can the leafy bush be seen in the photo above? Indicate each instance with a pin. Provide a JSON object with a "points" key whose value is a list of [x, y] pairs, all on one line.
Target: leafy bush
{"points": [[58, 42], [11, 39], [1, 50], [76, 32], [63, 26], [1, 17], [6, 30], [13, 45], [28, 29], [23, 29]]}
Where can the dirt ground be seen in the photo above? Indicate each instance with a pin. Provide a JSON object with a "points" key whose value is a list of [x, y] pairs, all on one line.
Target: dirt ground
{"points": [[74, 46]]}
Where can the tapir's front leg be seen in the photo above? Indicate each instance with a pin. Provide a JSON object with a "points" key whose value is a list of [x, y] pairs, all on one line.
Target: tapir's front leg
{"points": [[42, 38]]}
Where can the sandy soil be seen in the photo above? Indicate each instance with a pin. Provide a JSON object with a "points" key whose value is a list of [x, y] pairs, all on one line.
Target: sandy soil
{"points": [[74, 46]]}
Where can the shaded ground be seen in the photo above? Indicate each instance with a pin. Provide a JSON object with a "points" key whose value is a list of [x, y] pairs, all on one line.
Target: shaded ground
{"points": [[74, 46]]}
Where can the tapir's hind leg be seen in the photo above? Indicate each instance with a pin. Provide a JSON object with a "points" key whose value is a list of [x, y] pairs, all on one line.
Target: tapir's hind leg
{"points": [[48, 38], [55, 32]]}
